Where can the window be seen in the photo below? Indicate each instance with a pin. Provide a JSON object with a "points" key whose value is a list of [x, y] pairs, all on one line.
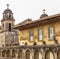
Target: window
{"points": [[51, 32], [31, 35], [40, 34], [3, 26], [9, 26]]}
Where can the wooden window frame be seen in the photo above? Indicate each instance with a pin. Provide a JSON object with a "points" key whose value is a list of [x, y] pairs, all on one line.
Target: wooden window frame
{"points": [[42, 35], [30, 36], [53, 32]]}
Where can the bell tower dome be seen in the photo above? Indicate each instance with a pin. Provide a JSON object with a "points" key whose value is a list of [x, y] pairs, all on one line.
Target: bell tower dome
{"points": [[8, 19], [7, 14], [44, 14]]}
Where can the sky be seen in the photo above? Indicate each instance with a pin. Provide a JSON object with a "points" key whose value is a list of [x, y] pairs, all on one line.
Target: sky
{"points": [[32, 9]]}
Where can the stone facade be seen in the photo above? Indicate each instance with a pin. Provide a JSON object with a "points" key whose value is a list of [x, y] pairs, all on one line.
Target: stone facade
{"points": [[15, 40]]}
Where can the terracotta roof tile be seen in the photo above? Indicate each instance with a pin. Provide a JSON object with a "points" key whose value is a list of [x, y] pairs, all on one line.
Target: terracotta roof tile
{"points": [[39, 20]]}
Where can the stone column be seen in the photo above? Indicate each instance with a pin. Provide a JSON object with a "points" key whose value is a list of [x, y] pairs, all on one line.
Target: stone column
{"points": [[31, 54], [23, 54], [43, 54], [17, 53], [11, 53], [40, 55], [55, 54]]}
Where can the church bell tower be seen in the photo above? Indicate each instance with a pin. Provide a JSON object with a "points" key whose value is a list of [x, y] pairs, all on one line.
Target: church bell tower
{"points": [[8, 20], [8, 34]]}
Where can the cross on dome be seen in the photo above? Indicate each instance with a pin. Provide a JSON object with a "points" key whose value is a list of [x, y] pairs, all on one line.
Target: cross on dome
{"points": [[8, 14], [43, 11], [7, 6], [44, 14]]}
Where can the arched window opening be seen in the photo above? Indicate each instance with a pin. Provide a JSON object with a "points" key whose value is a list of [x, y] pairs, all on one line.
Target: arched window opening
{"points": [[20, 54], [3, 26], [3, 53], [8, 53], [27, 54], [58, 55], [13, 53], [49, 55], [9, 16], [0, 53], [9, 26]]}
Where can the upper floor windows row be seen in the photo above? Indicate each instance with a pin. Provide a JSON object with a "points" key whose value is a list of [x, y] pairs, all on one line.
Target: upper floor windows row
{"points": [[40, 34]]}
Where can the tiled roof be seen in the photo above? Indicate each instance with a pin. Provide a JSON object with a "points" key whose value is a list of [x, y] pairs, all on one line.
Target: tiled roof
{"points": [[38, 20]]}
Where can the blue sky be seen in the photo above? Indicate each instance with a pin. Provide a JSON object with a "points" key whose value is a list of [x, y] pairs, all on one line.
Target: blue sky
{"points": [[24, 9]]}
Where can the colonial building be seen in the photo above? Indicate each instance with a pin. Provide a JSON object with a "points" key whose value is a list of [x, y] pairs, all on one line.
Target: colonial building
{"points": [[39, 39]]}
